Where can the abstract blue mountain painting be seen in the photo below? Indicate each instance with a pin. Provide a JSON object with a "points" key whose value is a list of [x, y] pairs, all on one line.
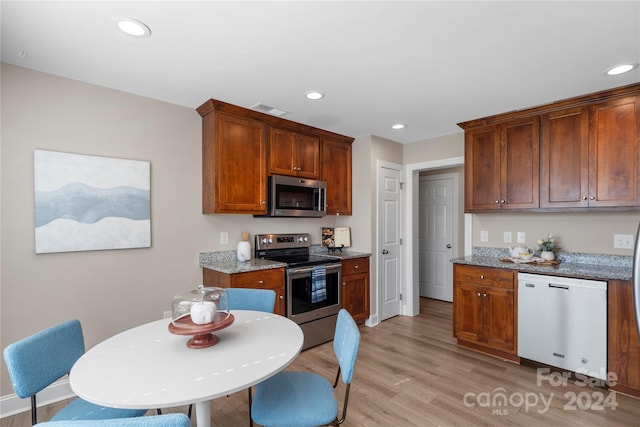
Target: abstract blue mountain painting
{"points": [[85, 203], [89, 205]]}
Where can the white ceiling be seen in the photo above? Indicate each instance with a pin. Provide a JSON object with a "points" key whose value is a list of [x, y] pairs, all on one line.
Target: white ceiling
{"points": [[428, 64]]}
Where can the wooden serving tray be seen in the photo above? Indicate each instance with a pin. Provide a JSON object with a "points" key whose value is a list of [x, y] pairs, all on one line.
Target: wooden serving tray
{"points": [[202, 336], [534, 261]]}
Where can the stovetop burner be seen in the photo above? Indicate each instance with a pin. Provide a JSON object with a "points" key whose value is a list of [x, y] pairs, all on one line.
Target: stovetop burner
{"points": [[292, 249]]}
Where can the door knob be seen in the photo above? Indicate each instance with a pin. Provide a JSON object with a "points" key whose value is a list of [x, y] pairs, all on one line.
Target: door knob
{"points": [[384, 252]]}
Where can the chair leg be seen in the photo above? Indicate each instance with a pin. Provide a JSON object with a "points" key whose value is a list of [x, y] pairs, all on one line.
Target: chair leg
{"points": [[159, 411], [34, 414], [190, 408], [250, 400]]}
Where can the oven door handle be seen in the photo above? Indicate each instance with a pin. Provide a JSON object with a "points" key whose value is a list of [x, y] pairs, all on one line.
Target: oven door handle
{"points": [[303, 270]]}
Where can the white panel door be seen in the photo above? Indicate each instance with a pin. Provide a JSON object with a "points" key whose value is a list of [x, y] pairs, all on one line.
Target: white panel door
{"points": [[389, 240], [436, 236]]}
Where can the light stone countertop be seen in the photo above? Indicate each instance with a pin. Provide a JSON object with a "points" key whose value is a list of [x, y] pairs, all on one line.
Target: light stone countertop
{"points": [[591, 266], [226, 261]]}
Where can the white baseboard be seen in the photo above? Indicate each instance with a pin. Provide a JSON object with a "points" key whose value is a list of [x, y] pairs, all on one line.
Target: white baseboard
{"points": [[11, 404], [372, 320]]}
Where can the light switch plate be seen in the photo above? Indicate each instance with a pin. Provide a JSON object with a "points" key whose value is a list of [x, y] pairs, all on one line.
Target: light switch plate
{"points": [[484, 236], [507, 237], [521, 237], [224, 238]]}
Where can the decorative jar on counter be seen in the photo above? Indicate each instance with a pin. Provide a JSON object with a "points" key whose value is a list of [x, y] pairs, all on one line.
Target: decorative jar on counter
{"points": [[547, 255], [244, 248]]}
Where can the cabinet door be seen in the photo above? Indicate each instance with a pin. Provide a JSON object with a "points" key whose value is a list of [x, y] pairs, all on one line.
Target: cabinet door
{"points": [[467, 312], [564, 159], [482, 169], [498, 318], [355, 295], [623, 344], [308, 156], [293, 154], [281, 152], [614, 156], [234, 165], [520, 165], [336, 171]]}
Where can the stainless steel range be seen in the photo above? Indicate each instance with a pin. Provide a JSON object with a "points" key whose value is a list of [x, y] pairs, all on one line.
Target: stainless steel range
{"points": [[312, 284]]}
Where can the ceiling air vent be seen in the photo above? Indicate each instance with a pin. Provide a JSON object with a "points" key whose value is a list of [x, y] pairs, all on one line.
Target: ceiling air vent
{"points": [[263, 108]]}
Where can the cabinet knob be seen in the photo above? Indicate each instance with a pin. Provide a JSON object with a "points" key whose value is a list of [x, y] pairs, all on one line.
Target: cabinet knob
{"points": [[484, 295], [356, 266], [344, 283], [482, 276], [584, 197], [260, 282], [264, 202], [502, 201], [281, 296], [478, 293], [497, 202], [592, 197]]}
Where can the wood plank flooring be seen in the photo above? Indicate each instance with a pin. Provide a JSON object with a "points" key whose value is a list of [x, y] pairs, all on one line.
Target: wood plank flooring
{"points": [[410, 372]]}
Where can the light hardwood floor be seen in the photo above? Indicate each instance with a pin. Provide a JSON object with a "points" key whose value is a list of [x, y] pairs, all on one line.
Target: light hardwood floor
{"points": [[410, 372]]}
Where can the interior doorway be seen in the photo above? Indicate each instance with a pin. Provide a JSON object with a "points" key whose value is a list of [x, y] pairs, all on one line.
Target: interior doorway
{"points": [[389, 256], [438, 233], [411, 295]]}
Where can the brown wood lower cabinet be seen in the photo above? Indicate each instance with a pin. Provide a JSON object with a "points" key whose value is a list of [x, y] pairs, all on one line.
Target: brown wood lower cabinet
{"points": [[260, 279], [484, 310], [355, 287], [623, 346]]}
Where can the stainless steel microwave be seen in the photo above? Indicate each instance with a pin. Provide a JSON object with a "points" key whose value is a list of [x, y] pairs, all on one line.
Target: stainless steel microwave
{"points": [[296, 197]]}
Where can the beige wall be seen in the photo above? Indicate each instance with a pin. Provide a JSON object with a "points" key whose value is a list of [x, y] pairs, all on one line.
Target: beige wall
{"points": [[109, 291], [590, 232], [443, 147]]}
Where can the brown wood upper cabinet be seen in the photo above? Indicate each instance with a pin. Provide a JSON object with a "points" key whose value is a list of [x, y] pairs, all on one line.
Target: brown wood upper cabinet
{"points": [[336, 171], [502, 169], [234, 178], [241, 147], [293, 154], [579, 153], [590, 155]]}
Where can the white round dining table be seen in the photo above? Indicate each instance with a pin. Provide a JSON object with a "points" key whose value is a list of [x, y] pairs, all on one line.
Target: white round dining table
{"points": [[148, 367]]}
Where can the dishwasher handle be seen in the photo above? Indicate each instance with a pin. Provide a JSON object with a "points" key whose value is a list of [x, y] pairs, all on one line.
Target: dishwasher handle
{"points": [[553, 285]]}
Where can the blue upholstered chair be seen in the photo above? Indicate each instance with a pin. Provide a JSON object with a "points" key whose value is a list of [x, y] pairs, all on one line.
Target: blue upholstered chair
{"points": [[305, 399], [37, 361], [169, 420], [252, 299]]}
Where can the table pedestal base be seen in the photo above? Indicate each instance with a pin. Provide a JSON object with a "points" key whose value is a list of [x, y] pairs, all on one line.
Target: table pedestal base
{"points": [[203, 413]]}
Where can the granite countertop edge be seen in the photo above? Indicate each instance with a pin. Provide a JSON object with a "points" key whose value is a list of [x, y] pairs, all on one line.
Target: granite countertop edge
{"points": [[226, 261], [569, 266]]}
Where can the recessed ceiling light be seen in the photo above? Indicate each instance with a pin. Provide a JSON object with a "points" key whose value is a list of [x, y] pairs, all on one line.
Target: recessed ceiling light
{"points": [[397, 126], [132, 27], [314, 95], [620, 69]]}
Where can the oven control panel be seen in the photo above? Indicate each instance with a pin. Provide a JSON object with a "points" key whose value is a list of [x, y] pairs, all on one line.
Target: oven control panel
{"points": [[282, 241]]}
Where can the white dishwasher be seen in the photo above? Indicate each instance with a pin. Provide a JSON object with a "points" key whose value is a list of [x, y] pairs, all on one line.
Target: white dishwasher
{"points": [[562, 322]]}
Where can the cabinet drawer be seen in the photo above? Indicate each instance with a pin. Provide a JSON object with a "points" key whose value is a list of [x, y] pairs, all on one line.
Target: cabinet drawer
{"points": [[263, 279], [355, 265], [484, 276]]}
